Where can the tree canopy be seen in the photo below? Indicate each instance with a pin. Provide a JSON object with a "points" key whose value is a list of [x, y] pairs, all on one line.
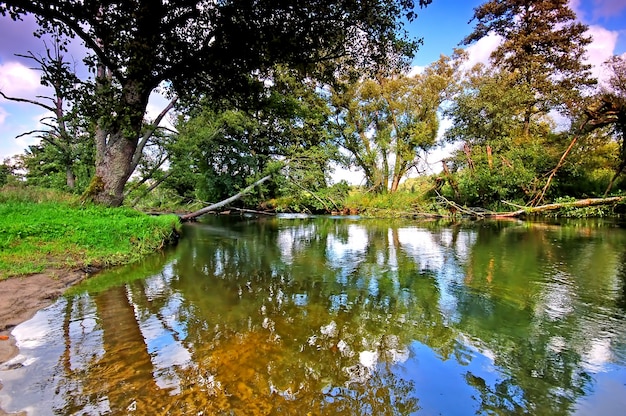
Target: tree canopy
{"points": [[387, 124], [543, 45], [211, 48]]}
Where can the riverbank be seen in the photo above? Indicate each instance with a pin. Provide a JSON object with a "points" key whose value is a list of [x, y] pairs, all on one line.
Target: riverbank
{"points": [[50, 241], [23, 296], [43, 230]]}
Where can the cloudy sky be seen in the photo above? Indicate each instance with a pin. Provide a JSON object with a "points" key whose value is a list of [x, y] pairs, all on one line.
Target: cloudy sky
{"points": [[442, 25]]}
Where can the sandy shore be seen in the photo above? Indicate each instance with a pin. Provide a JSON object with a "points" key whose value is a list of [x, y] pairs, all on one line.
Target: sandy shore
{"points": [[22, 297]]}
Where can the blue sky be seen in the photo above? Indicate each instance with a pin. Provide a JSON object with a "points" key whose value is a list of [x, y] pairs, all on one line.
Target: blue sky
{"points": [[442, 25]]}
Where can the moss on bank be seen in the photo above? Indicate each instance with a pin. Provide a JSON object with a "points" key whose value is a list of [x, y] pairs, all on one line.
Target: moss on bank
{"points": [[42, 229]]}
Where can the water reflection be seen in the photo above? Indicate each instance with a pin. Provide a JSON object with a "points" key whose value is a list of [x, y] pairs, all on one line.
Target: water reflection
{"points": [[332, 316]]}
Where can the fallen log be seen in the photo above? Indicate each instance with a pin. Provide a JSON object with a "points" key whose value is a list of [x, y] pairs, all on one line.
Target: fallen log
{"points": [[225, 202], [555, 206]]}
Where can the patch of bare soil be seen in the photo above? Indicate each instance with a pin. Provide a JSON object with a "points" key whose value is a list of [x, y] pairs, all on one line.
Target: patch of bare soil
{"points": [[22, 297]]}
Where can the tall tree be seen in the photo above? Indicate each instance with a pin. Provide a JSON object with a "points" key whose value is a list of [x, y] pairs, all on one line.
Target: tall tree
{"points": [[65, 128], [387, 123], [543, 45], [609, 110], [499, 159], [216, 47]]}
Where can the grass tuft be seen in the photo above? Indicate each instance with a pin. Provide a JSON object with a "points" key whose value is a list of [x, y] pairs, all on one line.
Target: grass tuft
{"points": [[42, 229]]}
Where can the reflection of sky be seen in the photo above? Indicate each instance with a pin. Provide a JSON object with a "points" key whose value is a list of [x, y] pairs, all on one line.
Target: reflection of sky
{"points": [[345, 254], [163, 331], [436, 380], [442, 253], [42, 344], [290, 240], [441, 385]]}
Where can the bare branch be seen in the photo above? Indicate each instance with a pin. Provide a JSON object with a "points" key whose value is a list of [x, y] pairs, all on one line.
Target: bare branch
{"points": [[149, 132], [26, 100]]}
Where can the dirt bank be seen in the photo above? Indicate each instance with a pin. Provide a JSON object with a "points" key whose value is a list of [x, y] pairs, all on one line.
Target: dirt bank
{"points": [[22, 297]]}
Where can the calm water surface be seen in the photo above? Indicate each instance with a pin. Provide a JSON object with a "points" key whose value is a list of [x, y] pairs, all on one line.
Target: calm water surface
{"points": [[332, 316]]}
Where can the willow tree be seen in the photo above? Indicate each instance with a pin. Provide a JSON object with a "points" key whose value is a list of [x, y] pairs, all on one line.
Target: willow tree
{"points": [[214, 48], [387, 124], [543, 46]]}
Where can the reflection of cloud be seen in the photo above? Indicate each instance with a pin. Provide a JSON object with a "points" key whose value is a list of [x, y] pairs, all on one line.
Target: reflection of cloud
{"points": [[368, 359], [421, 245], [557, 297], [598, 356], [357, 241]]}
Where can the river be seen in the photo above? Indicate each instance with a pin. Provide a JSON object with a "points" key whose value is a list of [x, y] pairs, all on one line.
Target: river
{"points": [[340, 316]]}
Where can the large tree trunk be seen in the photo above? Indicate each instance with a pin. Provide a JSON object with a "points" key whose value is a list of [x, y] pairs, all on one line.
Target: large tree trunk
{"points": [[117, 137], [113, 168]]}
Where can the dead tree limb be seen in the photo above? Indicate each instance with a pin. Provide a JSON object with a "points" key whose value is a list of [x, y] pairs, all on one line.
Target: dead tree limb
{"points": [[539, 197], [151, 188], [553, 207], [217, 205], [320, 200], [150, 131]]}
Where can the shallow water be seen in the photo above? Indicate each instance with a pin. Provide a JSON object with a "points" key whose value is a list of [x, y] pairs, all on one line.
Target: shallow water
{"points": [[330, 316]]}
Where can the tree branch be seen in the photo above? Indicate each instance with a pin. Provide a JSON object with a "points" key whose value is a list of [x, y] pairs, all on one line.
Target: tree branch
{"points": [[213, 207], [149, 132], [26, 100]]}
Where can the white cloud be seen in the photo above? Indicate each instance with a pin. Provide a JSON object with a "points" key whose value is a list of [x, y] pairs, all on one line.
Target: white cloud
{"points": [[601, 48], [416, 70], [18, 80], [480, 51], [575, 5]]}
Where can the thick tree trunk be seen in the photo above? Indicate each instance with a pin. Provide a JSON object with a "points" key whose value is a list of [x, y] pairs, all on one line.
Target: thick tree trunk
{"points": [[113, 168], [70, 178], [117, 137], [395, 183]]}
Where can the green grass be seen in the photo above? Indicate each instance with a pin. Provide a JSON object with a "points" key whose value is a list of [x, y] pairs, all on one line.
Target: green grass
{"points": [[41, 229], [413, 197]]}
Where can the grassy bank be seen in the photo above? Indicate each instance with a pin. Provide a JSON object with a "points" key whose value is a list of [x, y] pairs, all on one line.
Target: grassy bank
{"points": [[42, 229]]}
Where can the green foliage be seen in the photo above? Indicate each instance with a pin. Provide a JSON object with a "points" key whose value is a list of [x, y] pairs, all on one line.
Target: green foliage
{"points": [[543, 49], [226, 51], [5, 172], [597, 211], [160, 199], [513, 174], [322, 201], [387, 124], [219, 152], [47, 166], [42, 229], [414, 197]]}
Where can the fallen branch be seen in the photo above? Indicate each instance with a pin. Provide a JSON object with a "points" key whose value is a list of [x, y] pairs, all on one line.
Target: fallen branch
{"points": [[552, 207], [458, 208], [252, 211], [217, 205]]}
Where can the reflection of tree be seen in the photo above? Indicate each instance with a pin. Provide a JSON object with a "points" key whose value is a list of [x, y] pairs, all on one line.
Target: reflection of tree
{"points": [[296, 331], [121, 378], [319, 316], [533, 314]]}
